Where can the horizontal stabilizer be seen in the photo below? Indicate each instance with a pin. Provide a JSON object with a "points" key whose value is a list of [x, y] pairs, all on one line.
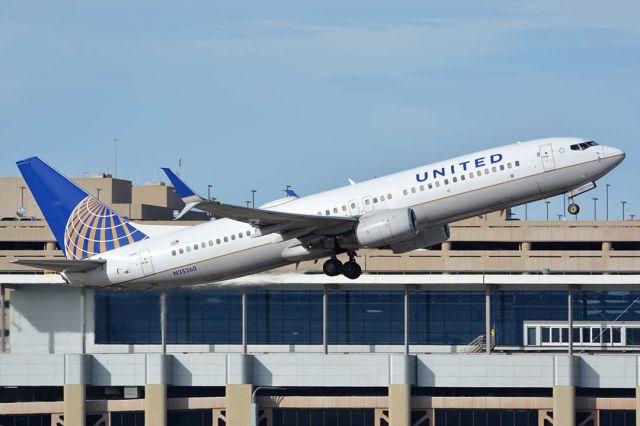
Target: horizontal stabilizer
{"points": [[62, 265]]}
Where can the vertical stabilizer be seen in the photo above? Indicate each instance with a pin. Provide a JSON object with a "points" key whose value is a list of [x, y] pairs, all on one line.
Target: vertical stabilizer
{"points": [[82, 225]]}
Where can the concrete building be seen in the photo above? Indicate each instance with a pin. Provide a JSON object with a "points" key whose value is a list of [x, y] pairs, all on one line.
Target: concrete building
{"points": [[508, 323]]}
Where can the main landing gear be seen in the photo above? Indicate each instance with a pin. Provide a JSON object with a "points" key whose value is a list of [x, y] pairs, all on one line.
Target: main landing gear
{"points": [[573, 208], [333, 267]]}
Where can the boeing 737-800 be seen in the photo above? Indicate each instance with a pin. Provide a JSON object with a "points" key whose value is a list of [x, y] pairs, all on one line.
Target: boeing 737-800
{"points": [[404, 211]]}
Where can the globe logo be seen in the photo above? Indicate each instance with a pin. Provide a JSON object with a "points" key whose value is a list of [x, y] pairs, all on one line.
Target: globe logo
{"points": [[93, 228]]}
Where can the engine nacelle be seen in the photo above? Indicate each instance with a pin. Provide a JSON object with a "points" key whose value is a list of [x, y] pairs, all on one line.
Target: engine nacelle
{"points": [[382, 228], [428, 237]]}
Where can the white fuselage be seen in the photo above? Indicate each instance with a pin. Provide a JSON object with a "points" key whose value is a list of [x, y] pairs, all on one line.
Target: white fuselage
{"points": [[438, 193]]}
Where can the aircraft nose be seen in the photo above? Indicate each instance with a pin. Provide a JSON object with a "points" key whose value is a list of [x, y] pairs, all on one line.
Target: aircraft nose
{"points": [[615, 154]]}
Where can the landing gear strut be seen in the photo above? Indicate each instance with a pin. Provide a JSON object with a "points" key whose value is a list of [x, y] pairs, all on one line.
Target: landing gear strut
{"points": [[333, 267], [573, 208]]}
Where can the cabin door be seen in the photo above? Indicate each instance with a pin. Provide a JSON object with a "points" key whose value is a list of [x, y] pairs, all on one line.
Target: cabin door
{"points": [[546, 155], [145, 262]]}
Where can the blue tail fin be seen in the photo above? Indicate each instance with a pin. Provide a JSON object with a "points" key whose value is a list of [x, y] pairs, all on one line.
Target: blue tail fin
{"points": [[82, 225]]}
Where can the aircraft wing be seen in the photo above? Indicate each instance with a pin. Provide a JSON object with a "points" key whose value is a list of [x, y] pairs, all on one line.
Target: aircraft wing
{"points": [[275, 221], [61, 265]]}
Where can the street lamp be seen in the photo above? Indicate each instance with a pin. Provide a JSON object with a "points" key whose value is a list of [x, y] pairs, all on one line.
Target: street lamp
{"points": [[248, 203], [209, 192], [632, 216], [547, 203], [21, 209], [606, 187], [526, 212], [595, 206], [253, 198], [560, 217], [623, 203]]}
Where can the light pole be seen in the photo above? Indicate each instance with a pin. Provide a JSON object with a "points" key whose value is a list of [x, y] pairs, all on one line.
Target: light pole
{"points": [[560, 217], [21, 209], [547, 203], [287, 189], [526, 213], [248, 203], [209, 192], [564, 205], [631, 216], [595, 206], [623, 203], [253, 198], [606, 191]]}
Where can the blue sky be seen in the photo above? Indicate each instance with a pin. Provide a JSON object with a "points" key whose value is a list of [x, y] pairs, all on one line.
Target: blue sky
{"points": [[265, 94]]}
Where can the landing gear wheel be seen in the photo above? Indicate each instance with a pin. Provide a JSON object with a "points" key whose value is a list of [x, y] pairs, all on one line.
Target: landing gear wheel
{"points": [[351, 270], [332, 267], [573, 209]]}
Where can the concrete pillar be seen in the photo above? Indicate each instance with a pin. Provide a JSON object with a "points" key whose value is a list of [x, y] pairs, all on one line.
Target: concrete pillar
{"points": [[74, 407], [525, 246], [606, 245], [487, 320], [155, 405], [564, 390], [638, 405], [238, 398], [155, 389], [238, 390], [402, 377], [325, 319], [50, 246], [75, 389]]}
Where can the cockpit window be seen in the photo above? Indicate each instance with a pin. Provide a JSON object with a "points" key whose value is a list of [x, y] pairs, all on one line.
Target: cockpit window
{"points": [[582, 146]]}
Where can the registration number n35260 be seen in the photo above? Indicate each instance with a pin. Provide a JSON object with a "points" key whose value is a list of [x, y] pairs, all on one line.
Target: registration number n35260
{"points": [[186, 270]]}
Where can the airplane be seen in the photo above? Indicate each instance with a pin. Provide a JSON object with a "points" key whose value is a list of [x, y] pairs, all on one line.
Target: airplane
{"points": [[402, 212]]}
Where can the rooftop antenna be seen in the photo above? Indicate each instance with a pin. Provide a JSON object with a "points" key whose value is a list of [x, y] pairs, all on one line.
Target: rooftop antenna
{"points": [[115, 158]]}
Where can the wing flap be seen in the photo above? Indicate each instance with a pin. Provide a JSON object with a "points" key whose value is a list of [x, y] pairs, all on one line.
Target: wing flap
{"points": [[62, 265]]}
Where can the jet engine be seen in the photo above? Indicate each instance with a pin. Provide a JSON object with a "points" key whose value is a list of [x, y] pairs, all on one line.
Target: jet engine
{"points": [[427, 237], [381, 228]]}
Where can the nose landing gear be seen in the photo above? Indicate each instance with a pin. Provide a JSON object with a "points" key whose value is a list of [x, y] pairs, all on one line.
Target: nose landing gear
{"points": [[350, 269]]}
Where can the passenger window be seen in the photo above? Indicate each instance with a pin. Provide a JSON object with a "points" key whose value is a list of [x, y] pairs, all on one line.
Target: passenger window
{"points": [[226, 239], [181, 251], [375, 200], [195, 246], [501, 166], [248, 233], [455, 179], [210, 243], [203, 244], [389, 196], [479, 173], [509, 165], [233, 236], [486, 171], [413, 190], [367, 201], [319, 213], [328, 212], [240, 235], [437, 184], [494, 169], [173, 252], [188, 249], [462, 177], [353, 205], [405, 192], [382, 198], [217, 240], [421, 187], [335, 210], [471, 175], [344, 208], [517, 163]]}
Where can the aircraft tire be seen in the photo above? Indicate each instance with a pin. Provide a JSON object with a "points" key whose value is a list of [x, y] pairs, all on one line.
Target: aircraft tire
{"points": [[332, 267], [573, 209], [351, 270]]}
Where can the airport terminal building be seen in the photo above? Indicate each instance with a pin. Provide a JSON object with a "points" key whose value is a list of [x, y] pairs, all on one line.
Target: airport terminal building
{"points": [[507, 323]]}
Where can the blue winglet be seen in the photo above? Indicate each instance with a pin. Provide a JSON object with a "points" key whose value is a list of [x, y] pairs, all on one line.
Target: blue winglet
{"points": [[183, 190], [291, 193]]}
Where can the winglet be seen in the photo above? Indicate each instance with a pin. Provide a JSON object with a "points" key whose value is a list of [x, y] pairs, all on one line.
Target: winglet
{"points": [[291, 193], [183, 190]]}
